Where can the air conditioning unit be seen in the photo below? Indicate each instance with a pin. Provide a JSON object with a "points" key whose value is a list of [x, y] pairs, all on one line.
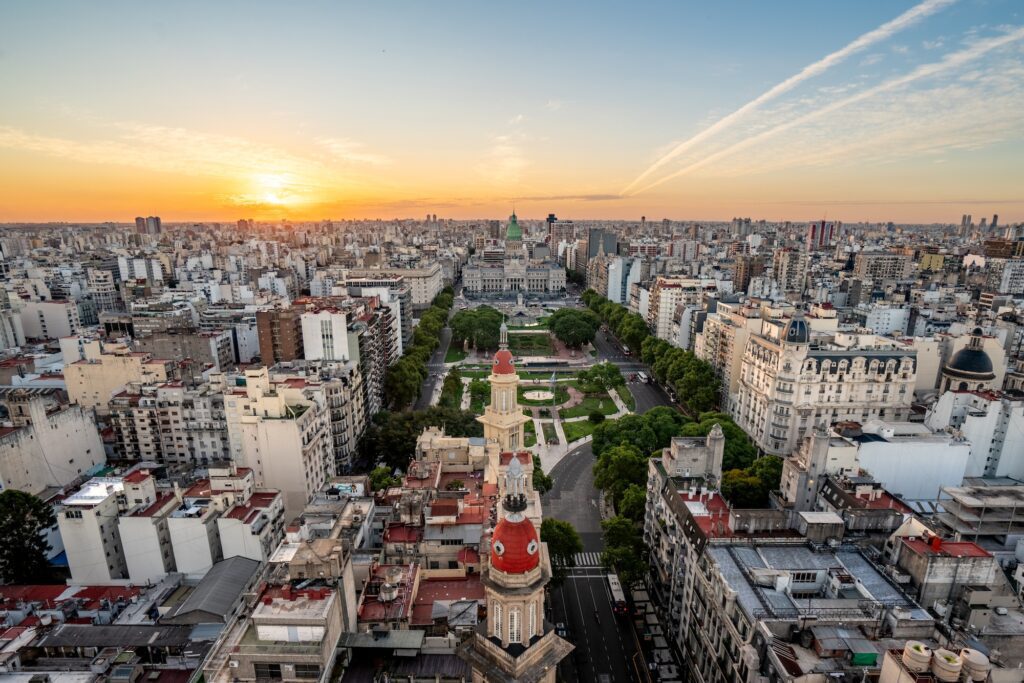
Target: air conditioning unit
{"points": [[232, 664]]}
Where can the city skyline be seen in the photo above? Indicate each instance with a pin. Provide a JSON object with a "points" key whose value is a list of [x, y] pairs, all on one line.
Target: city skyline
{"points": [[908, 112]]}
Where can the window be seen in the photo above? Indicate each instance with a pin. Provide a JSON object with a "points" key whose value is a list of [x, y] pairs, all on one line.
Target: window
{"points": [[268, 670], [804, 577], [531, 623], [307, 671], [515, 629], [73, 514], [497, 620]]}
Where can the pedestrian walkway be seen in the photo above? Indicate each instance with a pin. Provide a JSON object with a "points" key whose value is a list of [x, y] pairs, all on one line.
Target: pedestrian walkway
{"points": [[588, 560]]}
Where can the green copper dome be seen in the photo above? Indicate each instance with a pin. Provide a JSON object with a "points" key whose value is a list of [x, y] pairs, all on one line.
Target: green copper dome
{"points": [[514, 232]]}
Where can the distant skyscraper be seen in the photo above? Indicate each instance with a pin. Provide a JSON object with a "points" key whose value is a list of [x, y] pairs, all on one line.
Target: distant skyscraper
{"points": [[140, 225], [820, 235], [152, 225], [983, 223], [995, 220]]}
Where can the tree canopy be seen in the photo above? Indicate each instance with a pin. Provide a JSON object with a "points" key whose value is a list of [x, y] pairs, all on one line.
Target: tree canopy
{"points": [[542, 483], [382, 479], [574, 327], [749, 487], [390, 439], [481, 326], [624, 548], [563, 543], [24, 519]]}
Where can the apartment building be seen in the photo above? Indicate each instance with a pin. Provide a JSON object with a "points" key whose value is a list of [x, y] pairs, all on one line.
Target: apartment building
{"points": [[51, 319], [280, 432], [88, 519], [882, 266], [991, 422], [425, 283], [744, 594], [280, 334], [45, 442], [789, 384], [667, 294], [723, 341], [96, 378]]}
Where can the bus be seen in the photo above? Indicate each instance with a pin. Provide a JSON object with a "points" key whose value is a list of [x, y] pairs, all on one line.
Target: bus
{"points": [[642, 377], [619, 605]]}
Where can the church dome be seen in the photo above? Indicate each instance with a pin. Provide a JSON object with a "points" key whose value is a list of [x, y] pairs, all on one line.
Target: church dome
{"points": [[796, 331], [515, 546], [972, 363], [503, 363]]}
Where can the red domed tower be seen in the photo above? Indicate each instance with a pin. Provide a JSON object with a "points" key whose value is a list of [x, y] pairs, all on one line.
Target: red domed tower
{"points": [[515, 644], [503, 419]]}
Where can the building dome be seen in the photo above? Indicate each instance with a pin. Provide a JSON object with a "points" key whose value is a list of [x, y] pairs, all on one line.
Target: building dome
{"points": [[970, 362], [515, 546], [514, 232], [503, 363], [796, 331]]}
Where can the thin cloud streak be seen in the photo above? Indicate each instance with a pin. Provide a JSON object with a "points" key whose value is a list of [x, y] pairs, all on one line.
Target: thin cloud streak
{"points": [[950, 61], [883, 32]]}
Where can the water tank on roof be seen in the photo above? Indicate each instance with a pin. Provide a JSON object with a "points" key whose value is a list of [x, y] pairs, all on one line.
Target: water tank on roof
{"points": [[916, 656], [946, 665], [975, 664]]}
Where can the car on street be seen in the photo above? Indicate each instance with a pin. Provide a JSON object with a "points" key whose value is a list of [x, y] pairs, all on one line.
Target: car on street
{"points": [[561, 631]]}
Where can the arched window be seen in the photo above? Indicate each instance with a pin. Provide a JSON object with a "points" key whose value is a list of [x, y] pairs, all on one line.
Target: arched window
{"points": [[531, 620], [504, 400], [497, 620], [515, 628]]}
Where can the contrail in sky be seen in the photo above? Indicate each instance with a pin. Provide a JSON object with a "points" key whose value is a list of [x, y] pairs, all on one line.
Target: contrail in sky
{"points": [[950, 61], [908, 18]]}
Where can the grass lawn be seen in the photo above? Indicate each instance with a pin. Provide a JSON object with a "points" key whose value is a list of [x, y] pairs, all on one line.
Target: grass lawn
{"points": [[475, 372], [627, 397], [561, 395], [577, 430], [530, 344], [529, 434], [591, 403], [480, 394], [550, 435], [454, 355]]}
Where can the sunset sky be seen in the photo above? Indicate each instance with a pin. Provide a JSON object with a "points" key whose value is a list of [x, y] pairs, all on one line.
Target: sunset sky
{"points": [[861, 110]]}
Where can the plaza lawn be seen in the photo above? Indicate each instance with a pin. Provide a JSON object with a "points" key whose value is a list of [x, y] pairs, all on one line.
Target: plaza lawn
{"points": [[531, 344], [627, 397], [550, 435], [577, 430], [454, 355], [591, 403], [530, 434]]}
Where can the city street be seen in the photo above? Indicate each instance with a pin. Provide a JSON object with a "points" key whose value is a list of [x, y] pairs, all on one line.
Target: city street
{"points": [[604, 644], [435, 367], [647, 395]]}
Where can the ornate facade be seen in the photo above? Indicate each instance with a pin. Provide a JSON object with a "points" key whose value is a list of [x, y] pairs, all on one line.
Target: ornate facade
{"points": [[789, 384]]}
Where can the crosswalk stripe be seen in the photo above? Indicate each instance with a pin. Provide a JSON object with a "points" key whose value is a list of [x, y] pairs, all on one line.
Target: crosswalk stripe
{"points": [[587, 560]]}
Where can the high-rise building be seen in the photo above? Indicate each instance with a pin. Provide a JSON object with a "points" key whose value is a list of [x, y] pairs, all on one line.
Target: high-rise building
{"points": [[820, 235], [140, 225]]}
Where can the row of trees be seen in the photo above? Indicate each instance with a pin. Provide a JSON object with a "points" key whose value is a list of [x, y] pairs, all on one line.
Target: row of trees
{"points": [[403, 380], [692, 379], [451, 390], [600, 377], [574, 327], [481, 326]]}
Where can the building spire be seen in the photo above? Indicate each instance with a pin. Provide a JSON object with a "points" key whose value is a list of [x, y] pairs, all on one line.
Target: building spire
{"points": [[503, 334]]}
